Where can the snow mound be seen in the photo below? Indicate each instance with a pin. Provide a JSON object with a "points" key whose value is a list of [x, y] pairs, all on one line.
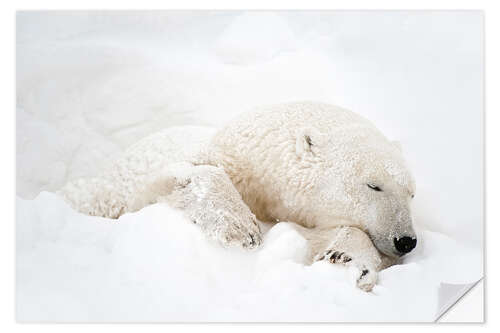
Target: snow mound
{"points": [[154, 265], [91, 84], [252, 38]]}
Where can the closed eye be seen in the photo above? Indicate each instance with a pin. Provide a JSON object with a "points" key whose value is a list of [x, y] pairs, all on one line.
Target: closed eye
{"points": [[375, 188]]}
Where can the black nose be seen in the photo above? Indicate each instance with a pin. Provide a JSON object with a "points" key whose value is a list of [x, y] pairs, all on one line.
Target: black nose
{"points": [[405, 244]]}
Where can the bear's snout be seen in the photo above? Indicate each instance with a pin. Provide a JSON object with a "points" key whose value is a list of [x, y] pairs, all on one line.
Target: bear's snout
{"points": [[405, 244]]}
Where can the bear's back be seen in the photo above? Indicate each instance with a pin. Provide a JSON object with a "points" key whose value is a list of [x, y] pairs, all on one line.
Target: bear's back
{"points": [[267, 129], [153, 153], [322, 116]]}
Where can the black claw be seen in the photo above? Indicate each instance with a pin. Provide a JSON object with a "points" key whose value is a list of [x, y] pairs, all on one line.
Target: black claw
{"points": [[253, 240], [337, 256]]}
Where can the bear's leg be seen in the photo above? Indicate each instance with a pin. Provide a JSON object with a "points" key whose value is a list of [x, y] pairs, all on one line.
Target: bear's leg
{"points": [[208, 198]]}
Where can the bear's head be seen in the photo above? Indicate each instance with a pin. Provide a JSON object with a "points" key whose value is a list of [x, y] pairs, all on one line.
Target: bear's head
{"points": [[362, 179]]}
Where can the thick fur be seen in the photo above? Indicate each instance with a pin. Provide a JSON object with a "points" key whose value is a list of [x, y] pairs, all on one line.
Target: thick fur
{"points": [[331, 172]]}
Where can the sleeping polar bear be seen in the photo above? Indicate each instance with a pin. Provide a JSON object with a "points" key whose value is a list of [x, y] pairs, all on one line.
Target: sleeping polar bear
{"points": [[345, 187]]}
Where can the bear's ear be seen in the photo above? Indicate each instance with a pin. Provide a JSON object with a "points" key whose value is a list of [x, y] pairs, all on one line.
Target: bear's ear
{"points": [[307, 139]]}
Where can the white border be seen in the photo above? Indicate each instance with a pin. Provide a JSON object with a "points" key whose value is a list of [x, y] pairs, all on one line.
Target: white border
{"points": [[7, 30]]}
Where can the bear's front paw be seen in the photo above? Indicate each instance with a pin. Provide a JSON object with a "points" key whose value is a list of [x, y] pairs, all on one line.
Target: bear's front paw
{"points": [[367, 279], [246, 235]]}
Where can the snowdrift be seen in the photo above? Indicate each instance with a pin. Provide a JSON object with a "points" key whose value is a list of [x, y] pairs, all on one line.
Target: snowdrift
{"points": [[154, 265], [89, 84]]}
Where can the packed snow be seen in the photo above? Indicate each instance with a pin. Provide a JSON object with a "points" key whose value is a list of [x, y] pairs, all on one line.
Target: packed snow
{"points": [[91, 84]]}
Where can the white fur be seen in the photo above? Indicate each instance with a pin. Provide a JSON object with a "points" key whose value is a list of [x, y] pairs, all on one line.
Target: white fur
{"points": [[305, 162], [281, 177]]}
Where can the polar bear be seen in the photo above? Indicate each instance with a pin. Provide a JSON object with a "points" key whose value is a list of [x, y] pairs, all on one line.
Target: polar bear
{"points": [[328, 171]]}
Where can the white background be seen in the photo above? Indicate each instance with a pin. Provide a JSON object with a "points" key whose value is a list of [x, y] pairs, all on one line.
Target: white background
{"points": [[91, 83], [490, 118]]}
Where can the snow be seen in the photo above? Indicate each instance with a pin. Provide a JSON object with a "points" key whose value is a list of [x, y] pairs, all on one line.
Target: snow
{"points": [[153, 265], [248, 40], [89, 84]]}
